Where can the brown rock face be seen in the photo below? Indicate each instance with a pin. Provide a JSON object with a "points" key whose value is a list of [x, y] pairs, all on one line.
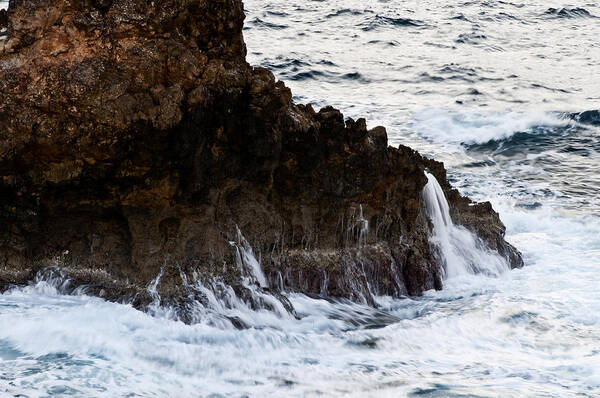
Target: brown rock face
{"points": [[134, 137]]}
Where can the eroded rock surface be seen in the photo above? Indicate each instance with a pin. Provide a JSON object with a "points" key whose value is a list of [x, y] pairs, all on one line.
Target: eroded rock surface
{"points": [[134, 137]]}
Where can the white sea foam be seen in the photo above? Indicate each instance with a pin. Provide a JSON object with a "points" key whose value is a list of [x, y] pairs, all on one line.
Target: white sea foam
{"points": [[456, 127]]}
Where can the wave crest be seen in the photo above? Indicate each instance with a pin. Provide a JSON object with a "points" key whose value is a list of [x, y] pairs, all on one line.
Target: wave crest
{"points": [[576, 12], [476, 128]]}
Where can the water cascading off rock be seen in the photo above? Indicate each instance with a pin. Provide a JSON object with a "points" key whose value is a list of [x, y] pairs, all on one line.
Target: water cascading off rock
{"points": [[460, 251]]}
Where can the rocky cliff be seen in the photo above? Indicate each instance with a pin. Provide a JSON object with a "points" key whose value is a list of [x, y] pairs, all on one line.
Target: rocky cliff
{"points": [[134, 137]]}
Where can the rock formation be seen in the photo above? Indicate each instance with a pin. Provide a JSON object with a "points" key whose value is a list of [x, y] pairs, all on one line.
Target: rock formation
{"points": [[135, 137]]}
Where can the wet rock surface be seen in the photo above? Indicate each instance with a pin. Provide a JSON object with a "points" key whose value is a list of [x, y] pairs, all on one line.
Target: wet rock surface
{"points": [[135, 138]]}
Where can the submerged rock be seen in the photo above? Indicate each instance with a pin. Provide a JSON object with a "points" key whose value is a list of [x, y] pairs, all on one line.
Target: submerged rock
{"points": [[135, 138]]}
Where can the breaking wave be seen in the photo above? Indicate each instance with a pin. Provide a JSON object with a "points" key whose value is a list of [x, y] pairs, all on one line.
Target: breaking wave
{"points": [[477, 128]]}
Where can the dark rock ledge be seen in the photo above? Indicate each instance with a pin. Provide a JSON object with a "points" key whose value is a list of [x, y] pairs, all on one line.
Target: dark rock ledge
{"points": [[134, 137]]}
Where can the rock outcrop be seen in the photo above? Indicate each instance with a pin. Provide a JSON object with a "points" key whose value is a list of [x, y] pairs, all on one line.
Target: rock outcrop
{"points": [[135, 137]]}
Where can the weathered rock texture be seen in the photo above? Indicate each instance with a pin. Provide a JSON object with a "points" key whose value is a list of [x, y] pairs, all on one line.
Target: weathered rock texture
{"points": [[134, 137]]}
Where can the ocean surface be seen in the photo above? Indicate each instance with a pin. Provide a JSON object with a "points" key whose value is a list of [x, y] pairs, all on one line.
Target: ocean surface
{"points": [[507, 94]]}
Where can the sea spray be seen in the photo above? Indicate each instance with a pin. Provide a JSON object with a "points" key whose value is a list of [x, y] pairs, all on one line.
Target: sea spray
{"points": [[247, 261], [213, 302], [460, 251], [357, 230], [363, 225]]}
